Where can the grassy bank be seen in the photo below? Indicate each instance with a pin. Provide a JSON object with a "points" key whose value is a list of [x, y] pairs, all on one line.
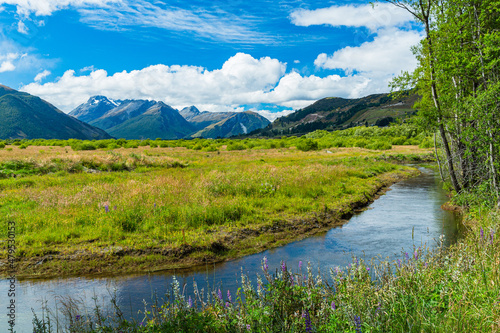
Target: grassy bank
{"points": [[145, 209]]}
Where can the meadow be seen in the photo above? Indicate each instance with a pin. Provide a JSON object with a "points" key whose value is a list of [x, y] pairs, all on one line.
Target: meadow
{"points": [[130, 207]]}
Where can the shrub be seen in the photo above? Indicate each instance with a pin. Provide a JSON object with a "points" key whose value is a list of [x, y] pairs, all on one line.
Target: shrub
{"points": [[2, 145], [236, 146], [307, 145]]}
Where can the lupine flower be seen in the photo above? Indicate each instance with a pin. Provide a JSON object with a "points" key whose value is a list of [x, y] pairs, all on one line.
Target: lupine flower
{"points": [[482, 233], [106, 208], [415, 255], [333, 306], [228, 304], [229, 296], [283, 267], [154, 205], [368, 269], [425, 265], [357, 322], [291, 279], [491, 236], [306, 316], [190, 302], [300, 264], [399, 263], [78, 317], [407, 256], [219, 295], [248, 327], [265, 264]]}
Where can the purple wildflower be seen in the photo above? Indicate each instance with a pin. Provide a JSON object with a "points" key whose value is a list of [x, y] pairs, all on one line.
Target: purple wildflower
{"points": [[482, 233], [425, 265], [228, 304], [357, 323], [78, 317], [190, 302], [399, 263], [333, 306], [291, 279], [141, 323], [219, 295], [265, 264], [415, 255], [491, 236], [106, 208], [154, 205], [229, 296], [368, 269], [283, 267], [306, 316], [407, 256], [300, 265], [248, 327]]}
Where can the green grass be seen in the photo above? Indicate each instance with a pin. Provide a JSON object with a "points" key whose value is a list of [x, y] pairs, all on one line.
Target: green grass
{"points": [[166, 198]]}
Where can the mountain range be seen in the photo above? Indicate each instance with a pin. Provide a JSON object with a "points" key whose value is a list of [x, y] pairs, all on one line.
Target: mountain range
{"points": [[141, 119], [24, 116]]}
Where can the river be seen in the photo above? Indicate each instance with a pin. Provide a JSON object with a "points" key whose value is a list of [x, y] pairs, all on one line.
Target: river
{"points": [[407, 216]]}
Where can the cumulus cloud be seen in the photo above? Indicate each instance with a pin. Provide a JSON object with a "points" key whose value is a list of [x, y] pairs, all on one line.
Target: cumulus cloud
{"points": [[370, 16], [47, 7], [242, 80], [6, 62], [40, 76], [388, 54]]}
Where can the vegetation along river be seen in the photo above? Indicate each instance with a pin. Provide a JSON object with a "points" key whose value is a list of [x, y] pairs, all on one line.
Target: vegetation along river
{"points": [[408, 215]]}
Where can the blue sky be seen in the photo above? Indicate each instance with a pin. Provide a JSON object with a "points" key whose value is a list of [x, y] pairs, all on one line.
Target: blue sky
{"points": [[267, 56]]}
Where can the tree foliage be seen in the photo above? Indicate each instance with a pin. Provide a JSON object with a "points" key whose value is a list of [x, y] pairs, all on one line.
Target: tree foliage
{"points": [[458, 79]]}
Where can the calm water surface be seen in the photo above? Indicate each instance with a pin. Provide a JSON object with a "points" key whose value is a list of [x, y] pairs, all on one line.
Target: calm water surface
{"points": [[408, 215]]}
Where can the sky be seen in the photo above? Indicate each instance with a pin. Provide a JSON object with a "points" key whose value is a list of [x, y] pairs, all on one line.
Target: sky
{"points": [[268, 56]]}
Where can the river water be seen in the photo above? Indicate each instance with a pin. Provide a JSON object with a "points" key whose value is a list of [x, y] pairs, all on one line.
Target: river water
{"points": [[408, 215]]}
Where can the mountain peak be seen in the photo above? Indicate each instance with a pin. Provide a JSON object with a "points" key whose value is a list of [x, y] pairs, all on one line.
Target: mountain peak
{"points": [[190, 112]]}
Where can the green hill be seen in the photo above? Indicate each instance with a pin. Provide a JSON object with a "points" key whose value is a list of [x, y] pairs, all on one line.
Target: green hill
{"points": [[335, 113], [24, 116]]}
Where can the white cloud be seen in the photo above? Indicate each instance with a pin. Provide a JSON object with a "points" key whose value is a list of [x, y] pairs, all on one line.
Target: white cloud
{"points": [[388, 54], [218, 25], [40, 76], [242, 80], [21, 28], [7, 62], [372, 17], [272, 116], [7, 66], [47, 7]]}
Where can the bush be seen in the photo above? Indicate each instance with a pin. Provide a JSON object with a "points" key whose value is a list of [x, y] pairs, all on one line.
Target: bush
{"points": [[307, 145], [236, 146], [2, 145]]}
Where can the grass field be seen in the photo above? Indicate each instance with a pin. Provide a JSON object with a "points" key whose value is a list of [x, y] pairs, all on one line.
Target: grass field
{"points": [[145, 209]]}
